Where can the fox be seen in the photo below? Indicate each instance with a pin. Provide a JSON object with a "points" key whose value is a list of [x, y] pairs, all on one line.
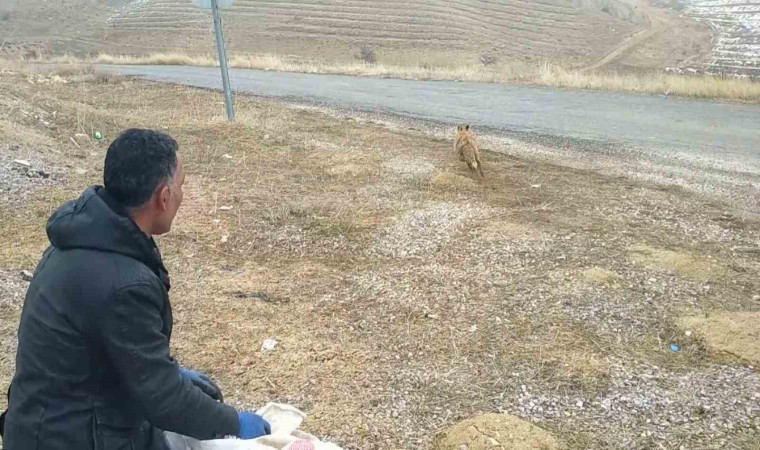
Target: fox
{"points": [[467, 149]]}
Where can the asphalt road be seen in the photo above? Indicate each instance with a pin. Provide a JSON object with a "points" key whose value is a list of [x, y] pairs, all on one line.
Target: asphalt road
{"points": [[712, 130]]}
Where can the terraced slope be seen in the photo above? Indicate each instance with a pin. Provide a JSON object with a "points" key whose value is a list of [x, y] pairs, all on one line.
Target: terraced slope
{"points": [[426, 31], [736, 26], [555, 29]]}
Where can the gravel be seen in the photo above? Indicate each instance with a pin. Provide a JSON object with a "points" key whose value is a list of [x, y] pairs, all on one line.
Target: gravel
{"points": [[17, 181], [12, 288], [421, 232], [646, 403], [410, 167]]}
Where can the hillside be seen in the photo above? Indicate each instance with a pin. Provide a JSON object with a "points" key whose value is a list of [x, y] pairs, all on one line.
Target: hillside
{"points": [[569, 32], [402, 31], [716, 36], [736, 25]]}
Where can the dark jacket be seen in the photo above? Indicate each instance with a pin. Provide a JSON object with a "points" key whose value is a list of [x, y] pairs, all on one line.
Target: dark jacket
{"points": [[93, 369]]}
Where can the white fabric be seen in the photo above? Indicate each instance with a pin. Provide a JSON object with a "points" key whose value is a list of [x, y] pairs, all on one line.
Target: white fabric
{"points": [[284, 420]]}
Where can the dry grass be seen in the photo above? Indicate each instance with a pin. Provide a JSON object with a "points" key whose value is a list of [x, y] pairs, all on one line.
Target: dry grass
{"points": [[734, 89], [544, 74], [156, 59], [447, 180], [602, 276], [420, 342], [69, 67], [733, 333]]}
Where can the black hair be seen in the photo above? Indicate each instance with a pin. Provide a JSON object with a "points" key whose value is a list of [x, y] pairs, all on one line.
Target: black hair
{"points": [[137, 162]]}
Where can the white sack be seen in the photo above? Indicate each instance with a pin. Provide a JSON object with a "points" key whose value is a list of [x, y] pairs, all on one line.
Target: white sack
{"points": [[284, 420]]}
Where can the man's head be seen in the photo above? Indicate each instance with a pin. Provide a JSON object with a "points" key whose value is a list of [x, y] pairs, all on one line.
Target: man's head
{"points": [[144, 174]]}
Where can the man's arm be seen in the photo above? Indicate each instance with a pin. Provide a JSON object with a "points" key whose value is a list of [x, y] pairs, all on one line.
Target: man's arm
{"points": [[131, 333]]}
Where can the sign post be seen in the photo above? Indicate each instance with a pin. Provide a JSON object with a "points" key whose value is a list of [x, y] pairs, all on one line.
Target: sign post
{"points": [[215, 5]]}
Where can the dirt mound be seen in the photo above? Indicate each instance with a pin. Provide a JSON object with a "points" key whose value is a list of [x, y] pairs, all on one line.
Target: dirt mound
{"points": [[452, 181], [735, 333], [601, 276], [683, 264], [495, 431]]}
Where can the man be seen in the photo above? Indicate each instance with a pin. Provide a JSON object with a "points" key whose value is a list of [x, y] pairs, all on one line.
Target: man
{"points": [[93, 368]]}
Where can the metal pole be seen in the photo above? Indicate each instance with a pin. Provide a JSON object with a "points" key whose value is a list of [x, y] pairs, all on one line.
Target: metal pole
{"points": [[223, 60]]}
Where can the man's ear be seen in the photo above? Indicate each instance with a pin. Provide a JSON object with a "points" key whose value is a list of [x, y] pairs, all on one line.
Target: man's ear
{"points": [[162, 197]]}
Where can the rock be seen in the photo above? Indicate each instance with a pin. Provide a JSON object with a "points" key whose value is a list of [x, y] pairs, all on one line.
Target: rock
{"points": [[491, 431], [269, 345], [22, 163], [80, 171], [43, 173], [26, 275]]}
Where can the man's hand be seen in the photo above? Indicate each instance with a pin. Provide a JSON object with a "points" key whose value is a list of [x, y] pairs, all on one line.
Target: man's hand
{"points": [[203, 382], [252, 426]]}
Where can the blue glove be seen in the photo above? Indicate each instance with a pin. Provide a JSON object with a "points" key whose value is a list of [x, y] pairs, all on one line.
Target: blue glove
{"points": [[203, 382], [252, 426]]}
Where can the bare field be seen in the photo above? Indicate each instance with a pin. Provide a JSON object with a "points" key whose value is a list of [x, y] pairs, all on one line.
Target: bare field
{"points": [[407, 296]]}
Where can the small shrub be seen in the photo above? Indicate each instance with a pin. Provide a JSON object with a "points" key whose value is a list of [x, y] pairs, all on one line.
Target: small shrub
{"points": [[367, 54], [488, 60]]}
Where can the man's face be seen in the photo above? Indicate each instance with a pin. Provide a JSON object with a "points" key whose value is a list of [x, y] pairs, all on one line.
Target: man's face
{"points": [[171, 199]]}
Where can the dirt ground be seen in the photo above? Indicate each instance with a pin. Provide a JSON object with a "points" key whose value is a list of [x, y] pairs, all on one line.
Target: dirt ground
{"points": [[406, 295]]}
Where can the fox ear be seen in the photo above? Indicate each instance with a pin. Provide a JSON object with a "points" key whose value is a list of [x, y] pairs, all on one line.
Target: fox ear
{"points": [[467, 127]]}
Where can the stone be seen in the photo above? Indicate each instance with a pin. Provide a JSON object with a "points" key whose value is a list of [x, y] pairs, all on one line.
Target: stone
{"points": [[269, 345]]}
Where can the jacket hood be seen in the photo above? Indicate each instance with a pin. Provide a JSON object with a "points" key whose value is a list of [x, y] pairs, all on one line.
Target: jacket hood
{"points": [[95, 221]]}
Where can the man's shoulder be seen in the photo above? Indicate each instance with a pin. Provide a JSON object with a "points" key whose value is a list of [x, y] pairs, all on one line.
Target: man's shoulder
{"points": [[102, 272]]}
